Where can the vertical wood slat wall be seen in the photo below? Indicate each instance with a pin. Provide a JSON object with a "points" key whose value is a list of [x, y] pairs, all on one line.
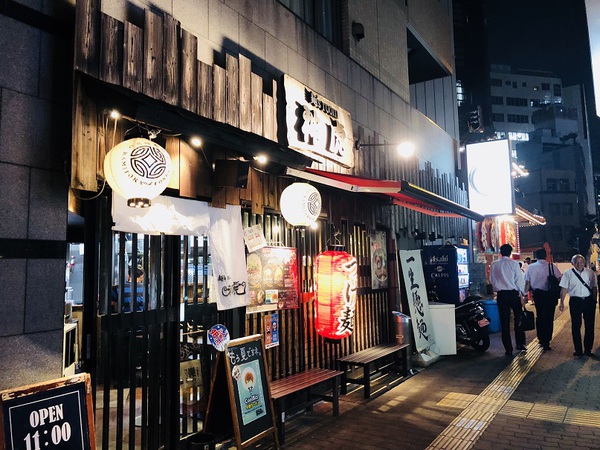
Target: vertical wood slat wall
{"points": [[300, 347], [160, 61]]}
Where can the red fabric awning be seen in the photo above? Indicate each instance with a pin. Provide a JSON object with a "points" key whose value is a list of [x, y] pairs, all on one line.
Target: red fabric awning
{"points": [[401, 193]]}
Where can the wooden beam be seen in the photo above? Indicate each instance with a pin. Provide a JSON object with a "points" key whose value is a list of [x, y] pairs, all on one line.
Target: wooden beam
{"points": [[133, 57], [87, 24], [189, 71], [245, 92], [232, 87], [153, 55], [171, 60], [111, 54]]}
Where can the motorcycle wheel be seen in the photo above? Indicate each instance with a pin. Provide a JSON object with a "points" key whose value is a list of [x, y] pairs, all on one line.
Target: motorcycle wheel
{"points": [[481, 339]]}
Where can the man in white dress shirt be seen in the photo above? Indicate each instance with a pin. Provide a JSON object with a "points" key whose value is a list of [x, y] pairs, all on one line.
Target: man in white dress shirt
{"points": [[507, 279], [582, 286], [536, 279]]}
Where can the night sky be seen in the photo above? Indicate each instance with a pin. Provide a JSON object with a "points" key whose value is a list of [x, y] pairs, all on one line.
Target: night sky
{"points": [[545, 35]]}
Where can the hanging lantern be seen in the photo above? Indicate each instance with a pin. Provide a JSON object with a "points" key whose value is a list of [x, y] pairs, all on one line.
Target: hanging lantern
{"points": [[335, 294], [138, 170], [300, 204]]}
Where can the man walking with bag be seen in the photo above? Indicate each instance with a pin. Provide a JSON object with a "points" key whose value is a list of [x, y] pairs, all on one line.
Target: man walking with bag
{"points": [[538, 278], [582, 286], [507, 279]]}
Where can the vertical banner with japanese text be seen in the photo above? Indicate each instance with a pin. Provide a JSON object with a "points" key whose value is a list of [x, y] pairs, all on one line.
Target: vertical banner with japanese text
{"points": [[416, 292]]}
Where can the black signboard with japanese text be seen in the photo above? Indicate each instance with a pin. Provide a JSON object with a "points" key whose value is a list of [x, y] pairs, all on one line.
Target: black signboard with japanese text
{"points": [[240, 397], [56, 414]]}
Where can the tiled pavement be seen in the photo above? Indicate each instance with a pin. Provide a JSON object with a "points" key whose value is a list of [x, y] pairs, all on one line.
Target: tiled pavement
{"points": [[472, 400]]}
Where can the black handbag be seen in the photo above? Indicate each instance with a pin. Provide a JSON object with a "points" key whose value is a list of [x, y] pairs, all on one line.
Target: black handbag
{"points": [[553, 283], [528, 320]]}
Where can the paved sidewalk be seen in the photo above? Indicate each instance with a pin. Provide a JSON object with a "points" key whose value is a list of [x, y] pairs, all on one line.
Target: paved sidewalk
{"points": [[555, 403]]}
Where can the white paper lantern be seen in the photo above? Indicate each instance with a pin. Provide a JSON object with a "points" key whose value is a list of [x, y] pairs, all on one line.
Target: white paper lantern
{"points": [[138, 170], [300, 204]]}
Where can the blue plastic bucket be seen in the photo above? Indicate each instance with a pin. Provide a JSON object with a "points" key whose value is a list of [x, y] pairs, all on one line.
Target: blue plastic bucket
{"points": [[490, 307]]}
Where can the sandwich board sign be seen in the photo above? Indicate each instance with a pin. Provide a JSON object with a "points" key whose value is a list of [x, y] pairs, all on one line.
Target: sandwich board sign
{"points": [[240, 396], [52, 414]]}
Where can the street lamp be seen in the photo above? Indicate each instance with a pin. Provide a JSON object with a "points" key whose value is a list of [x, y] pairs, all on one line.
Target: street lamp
{"points": [[404, 149]]}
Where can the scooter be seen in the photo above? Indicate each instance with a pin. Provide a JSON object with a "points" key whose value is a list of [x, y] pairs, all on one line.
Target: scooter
{"points": [[472, 325]]}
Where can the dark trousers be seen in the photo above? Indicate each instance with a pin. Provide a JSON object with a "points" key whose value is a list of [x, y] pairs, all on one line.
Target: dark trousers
{"points": [[545, 306], [508, 300], [586, 307]]}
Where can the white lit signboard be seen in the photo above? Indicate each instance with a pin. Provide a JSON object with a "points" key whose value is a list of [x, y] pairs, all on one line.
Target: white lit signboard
{"points": [[490, 180], [592, 8], [317, 127]]}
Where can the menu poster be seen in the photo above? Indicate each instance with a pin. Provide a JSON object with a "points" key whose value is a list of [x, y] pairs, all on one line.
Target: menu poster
{"points": [[254, 238], [271, 330], [273, 279], [379, 267]]}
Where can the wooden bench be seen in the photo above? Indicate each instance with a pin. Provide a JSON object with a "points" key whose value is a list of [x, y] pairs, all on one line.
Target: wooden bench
{"points": [[301, 381], [366, 358]]}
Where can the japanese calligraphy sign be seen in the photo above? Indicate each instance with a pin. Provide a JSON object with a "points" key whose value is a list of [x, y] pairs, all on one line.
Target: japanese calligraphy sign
{"points": [[416, 292], [241, 376], [316, 126]]}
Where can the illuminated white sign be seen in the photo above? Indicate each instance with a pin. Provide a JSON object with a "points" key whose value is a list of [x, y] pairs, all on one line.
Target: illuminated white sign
{"points": [[316, 126], [490, 180]]}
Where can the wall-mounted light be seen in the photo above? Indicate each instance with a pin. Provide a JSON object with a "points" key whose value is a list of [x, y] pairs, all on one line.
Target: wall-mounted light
{"points": [[196, 142], [114, 114], [358, 30], [404, 149], [261, 159]]}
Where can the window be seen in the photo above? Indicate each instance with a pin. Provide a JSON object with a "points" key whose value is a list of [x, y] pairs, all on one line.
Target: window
{"points": [[524, 84], [497, 100], [557, 90], [534, 103], [554, 209], [551, 184], [516, 101], [322, 15], [507, 83], [460, 93], [518, 118], [567, 209], [514, 84], [495, 82], [545, 86], [556, 232], [564, 185], [497, 117]]}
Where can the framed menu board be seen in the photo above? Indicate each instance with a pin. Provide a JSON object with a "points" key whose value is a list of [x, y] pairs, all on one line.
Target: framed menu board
{"points": [[53, 414], [241, 377], [272, 279]]}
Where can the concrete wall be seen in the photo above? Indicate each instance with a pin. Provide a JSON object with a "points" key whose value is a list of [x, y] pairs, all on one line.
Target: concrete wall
{"points": [[35, 122], [371, 83]]}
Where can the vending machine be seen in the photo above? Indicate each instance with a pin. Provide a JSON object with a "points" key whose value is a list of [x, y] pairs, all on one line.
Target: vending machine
{"points": [[446, 270]]}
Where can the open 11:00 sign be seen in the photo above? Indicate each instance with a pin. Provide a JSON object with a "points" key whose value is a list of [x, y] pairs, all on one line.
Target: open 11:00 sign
{"points": [[54, 414]]}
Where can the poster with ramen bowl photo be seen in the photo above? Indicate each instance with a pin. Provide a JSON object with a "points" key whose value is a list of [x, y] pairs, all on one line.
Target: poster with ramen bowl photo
{"points": [[272, 279]]}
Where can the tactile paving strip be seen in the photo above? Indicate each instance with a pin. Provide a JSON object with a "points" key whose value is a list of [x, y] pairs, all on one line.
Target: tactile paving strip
{"points": [[479, 413]]}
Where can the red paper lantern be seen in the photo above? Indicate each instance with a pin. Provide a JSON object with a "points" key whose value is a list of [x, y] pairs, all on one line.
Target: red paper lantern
{"points": [[335, 294]]}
